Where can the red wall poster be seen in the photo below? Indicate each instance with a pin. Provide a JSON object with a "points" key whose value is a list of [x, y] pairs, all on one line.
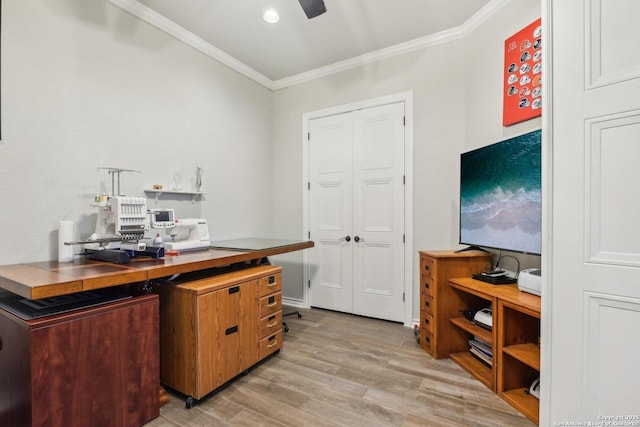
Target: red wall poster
{"points": [[523, 75]]}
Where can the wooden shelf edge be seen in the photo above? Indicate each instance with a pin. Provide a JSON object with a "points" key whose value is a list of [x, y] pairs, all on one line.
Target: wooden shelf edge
{"points": [[527, 353], [528, 405], [470, 327], [479, 370]]}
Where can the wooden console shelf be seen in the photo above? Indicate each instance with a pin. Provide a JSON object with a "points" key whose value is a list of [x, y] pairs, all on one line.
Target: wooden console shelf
{"points": [[515, 340]]}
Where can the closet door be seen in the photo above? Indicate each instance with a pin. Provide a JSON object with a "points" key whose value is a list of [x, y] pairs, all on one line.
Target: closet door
{"points": [[378, 217], [330, 211], [356, 211]]}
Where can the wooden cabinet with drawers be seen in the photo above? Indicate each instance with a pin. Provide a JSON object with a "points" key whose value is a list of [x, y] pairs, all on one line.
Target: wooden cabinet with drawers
{"points": [[215, 327], [436, 268]]}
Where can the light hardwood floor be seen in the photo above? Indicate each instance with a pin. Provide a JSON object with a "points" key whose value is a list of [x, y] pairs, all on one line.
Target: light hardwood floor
{"points": [[341, 370]]}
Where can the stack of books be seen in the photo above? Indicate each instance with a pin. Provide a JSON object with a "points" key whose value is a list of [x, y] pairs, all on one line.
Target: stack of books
{"points": [[481, 350]]}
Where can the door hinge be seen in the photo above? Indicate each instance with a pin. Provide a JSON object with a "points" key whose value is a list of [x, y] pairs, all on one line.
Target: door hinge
{"points": [[309, 234], [309, 185], [403, 297], [308, 136], [309, 283], [404, 180], [404, 120], [403, 238]]}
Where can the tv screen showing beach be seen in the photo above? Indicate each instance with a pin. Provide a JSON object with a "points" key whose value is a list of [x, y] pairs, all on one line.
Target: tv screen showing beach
{"points": [[500, 195]]}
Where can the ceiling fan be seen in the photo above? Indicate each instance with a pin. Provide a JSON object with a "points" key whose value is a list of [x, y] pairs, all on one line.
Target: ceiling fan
{"points": [[313, 8]]}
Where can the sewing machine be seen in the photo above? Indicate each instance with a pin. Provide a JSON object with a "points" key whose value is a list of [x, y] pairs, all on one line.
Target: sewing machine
{"points": [[188, 234], [120, 227], [121, 219]]}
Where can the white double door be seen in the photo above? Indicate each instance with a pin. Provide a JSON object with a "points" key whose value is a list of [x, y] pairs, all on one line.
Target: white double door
{"points": [[356, 211]]}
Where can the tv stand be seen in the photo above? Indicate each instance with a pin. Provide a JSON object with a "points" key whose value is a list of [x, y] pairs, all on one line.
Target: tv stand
{"points": [[472, 248], [515, 340]]}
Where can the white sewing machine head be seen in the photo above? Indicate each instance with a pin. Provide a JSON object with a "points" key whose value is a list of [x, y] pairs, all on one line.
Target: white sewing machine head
{"points": [[190, 233], [122, 218]]}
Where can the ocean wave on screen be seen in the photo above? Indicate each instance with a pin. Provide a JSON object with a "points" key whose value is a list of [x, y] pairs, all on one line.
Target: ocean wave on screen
{"points": [[494, 202]]}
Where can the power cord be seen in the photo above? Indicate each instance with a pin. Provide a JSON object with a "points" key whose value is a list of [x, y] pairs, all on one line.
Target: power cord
{"points": [[512, 257]]}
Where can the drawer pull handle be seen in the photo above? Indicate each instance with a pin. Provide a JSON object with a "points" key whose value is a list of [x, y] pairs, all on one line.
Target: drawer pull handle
{"points": [[271, 325], [426, 304], [272, 280], [234, 290], [273, 304], [231, 330], [272, 344], [426, 321], [426, 267], [426, 286]]}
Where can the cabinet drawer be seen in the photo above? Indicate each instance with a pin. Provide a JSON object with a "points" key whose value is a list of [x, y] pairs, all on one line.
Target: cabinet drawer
{"points": [[270, 324], [427, 286], [426, 268], [426, 322], [270, 304], [426, 341], [270, 344], [270, 284], [427, 303]]}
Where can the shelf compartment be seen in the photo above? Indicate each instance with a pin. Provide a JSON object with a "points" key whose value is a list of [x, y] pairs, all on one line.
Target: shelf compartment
{"points": [[472, 328], [520, 399], [478, 369]]}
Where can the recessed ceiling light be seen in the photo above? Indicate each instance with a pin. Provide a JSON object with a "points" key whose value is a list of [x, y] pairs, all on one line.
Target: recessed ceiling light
{"points": [[271, 16]]}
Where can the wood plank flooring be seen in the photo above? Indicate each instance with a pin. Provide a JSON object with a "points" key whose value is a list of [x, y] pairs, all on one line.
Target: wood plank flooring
{"points": [[341, 370]]}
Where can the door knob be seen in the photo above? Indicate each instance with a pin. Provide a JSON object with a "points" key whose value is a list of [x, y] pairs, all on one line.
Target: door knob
{"points": [[357, 239], [347, 238]]}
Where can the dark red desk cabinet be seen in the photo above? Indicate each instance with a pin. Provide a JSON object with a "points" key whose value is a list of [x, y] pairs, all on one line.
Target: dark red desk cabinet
{"points": [[96, 366]]}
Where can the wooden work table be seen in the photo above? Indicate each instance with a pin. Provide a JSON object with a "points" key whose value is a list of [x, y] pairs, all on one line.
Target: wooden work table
{"points": [[51, 278], [101, 363]]}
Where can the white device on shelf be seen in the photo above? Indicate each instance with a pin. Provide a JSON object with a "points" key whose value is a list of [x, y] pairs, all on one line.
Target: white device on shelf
{"points": [[530, 280], [162, 218], [188, 234], [534, 389], [484, 318]]}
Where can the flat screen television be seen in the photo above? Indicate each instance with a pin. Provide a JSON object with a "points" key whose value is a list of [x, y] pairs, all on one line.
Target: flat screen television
{"points": [[500, 195]]}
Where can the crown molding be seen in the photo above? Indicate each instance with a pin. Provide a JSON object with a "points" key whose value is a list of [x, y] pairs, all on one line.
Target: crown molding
{"points": [[368, 58], [159, 21], [162, 23]]}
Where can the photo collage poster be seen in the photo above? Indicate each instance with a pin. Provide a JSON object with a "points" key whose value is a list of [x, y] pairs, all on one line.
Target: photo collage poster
{"points": [[523, 75]]}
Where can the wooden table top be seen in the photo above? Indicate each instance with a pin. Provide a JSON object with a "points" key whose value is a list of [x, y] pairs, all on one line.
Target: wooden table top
{"points": [[52, 278]]}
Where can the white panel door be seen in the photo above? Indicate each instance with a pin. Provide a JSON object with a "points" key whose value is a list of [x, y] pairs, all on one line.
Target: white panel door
{"points": [[330, 211], [356, 211], [590, 369], [378, 217]]}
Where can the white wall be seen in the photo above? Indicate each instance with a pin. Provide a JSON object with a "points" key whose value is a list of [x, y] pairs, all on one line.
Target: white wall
{"points": [[84, 85], [457, 92]]}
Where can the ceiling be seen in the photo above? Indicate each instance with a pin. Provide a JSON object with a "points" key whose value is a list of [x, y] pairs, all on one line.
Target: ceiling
{"points": [[350, 33]]}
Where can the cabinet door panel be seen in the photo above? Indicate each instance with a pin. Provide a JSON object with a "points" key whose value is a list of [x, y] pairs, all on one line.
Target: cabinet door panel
{"points": [[95, 367], [227, 335], [14, 373]]}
